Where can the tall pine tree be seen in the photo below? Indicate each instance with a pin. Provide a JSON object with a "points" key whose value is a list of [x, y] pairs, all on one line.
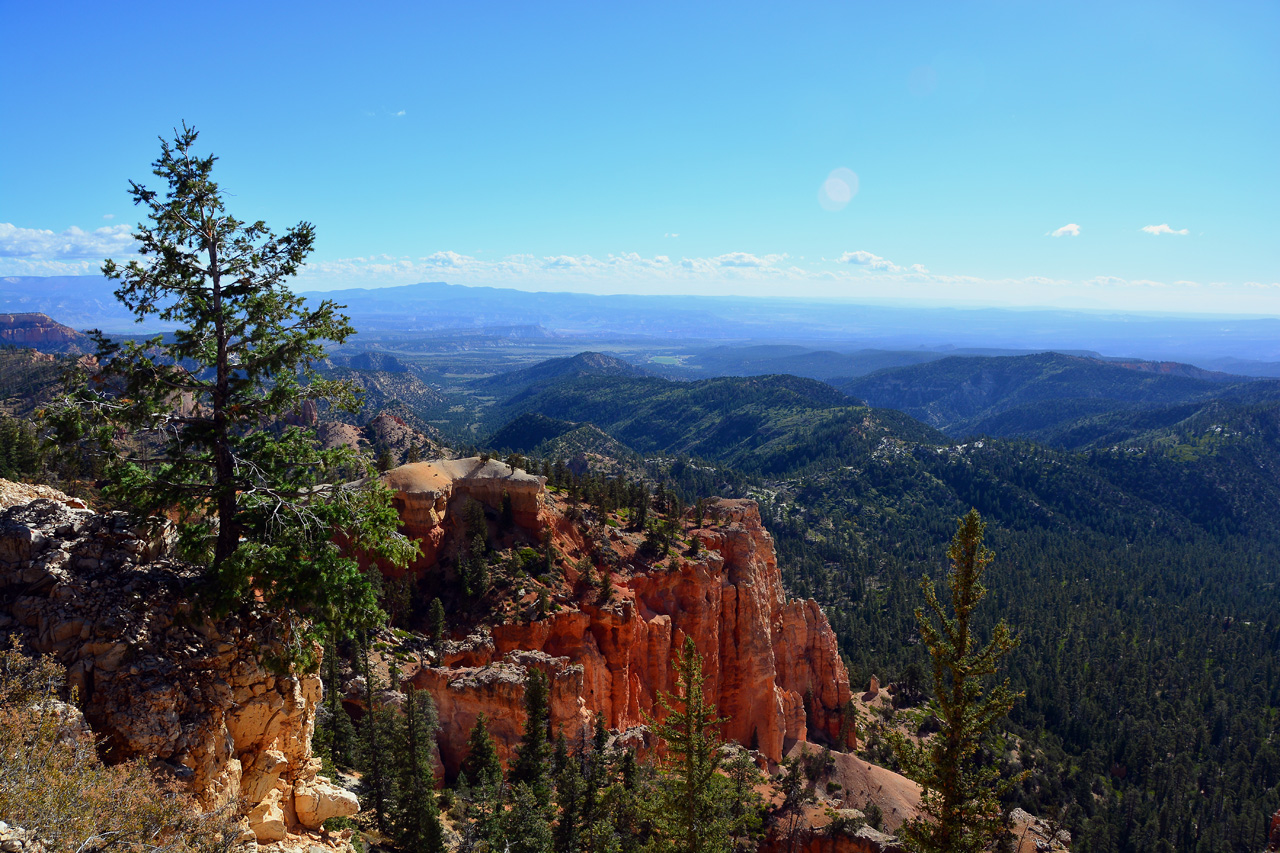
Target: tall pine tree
{"points": [[533, 754], [690, 807], [416, 815], [204, 409], [960, 805]]}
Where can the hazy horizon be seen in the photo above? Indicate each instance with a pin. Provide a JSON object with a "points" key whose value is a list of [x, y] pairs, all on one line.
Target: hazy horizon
{"points": [[1094, 157]]}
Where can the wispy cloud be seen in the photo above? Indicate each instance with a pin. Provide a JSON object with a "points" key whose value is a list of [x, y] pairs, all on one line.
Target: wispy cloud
{"points": [[73, 244], [864, 258], [745, 259], [399, 114], [670, 234], [858, 274], [108, 216], [1164, 229], [1069, 230]]}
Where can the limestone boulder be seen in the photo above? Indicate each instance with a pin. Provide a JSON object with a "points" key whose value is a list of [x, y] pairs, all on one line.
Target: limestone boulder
{"points": [[317, 800], [267, 819]]}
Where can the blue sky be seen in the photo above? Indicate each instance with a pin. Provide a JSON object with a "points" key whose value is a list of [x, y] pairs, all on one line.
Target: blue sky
{"points": [[679, 148]]}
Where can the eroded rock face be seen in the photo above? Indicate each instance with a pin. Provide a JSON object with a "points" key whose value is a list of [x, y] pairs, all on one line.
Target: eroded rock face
{"points": [[425, 490], [772, 666], [496, 690], [41, 332], [155, 679]]}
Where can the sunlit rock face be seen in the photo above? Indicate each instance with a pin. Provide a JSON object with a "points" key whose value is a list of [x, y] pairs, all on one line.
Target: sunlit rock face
{"points": [[41, 332], [425, 491], [157, 680], [772, 666]]}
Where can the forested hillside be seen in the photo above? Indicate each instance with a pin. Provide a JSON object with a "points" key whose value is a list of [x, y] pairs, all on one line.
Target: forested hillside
{"points": [[1140, 579], [1050, 397]]}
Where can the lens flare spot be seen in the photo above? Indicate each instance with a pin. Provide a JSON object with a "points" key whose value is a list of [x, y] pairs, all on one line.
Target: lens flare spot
{"points": [[838, 189]]}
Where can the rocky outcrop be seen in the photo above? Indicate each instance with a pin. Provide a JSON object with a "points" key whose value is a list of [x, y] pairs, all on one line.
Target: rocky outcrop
{"points": [[156, 679], [772, 666], [425, 490], [41, 332], [15, 494], [392, 434], [864, 839], [496, 689]]}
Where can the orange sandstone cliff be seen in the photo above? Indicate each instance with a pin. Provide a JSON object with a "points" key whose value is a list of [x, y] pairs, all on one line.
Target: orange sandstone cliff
{"points": [[772, 665]]}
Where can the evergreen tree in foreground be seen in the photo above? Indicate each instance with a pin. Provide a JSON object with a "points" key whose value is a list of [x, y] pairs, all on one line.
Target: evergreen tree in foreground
{"points": [[961, 796], [690, 806], [416, 816], [480, 787], [532, 765], [204, 408]]}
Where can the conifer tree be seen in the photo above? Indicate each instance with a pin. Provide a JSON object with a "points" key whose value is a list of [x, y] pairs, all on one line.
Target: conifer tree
{"points": [[627, 805], [526, 828], [374, 731], [416, 816], [689, 809], [480, 785], [597, 827], [482, 765], [745, 806], [436, 623], [335, 734], [253, 496], [960, 804], [570, 795], [533, 754]]}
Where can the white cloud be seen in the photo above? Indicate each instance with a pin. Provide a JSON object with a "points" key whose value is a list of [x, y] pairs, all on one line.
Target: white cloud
{"points": [[72, 244], [564, 262], [861, 274], [400, 114], [670, 235], [108, 216], [1164, 229], [448, 260], [864, 258], [1069, 230], [746, 259]]}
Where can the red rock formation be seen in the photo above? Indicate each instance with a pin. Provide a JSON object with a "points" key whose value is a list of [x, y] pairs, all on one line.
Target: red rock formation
{"points": [[41, 332], [762, 654], [425, 490]]}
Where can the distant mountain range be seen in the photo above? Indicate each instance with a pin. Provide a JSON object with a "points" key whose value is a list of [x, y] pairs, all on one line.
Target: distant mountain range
{"points": [[521, 383], [1245, 346]]}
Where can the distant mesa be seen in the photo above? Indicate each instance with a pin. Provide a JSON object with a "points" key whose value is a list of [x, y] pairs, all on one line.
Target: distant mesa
{"points": [[41, 332]]}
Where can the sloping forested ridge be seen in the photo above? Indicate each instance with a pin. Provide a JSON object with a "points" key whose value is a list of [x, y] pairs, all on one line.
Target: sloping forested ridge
{"points": [[1063, 400], [1141, 580]]}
